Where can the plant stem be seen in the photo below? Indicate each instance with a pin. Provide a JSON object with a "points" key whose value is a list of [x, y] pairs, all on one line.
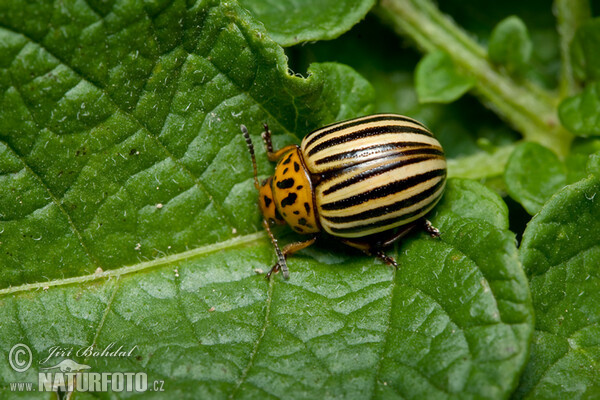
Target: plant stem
{"points": [[570, 14], [531, 111]]}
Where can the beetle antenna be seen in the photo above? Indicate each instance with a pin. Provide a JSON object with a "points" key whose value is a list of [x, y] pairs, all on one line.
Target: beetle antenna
{"points": [[281, 263], [251, 150]]}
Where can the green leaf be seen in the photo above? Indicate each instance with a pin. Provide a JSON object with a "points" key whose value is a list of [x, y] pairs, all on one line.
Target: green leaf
{"points": [[533, 174], [128, 216], [579, 113], [453, 321], [104, 167], [374, 51], [585, 58], [561, 253], [438, 81], [579, 156], [510, 44], [593, 165], [293, 21]]}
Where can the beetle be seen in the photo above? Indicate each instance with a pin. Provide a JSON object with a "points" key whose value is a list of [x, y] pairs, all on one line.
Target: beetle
{"points": [[367, 181]]}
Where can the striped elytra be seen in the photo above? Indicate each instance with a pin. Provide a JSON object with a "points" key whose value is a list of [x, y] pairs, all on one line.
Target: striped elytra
{"points": [[368, 181], [373, 174]]}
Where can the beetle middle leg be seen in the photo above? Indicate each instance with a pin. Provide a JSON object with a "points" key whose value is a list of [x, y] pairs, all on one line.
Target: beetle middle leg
{"points": [[289, 249], [271, 154], [374, 246], [429, 228], [371, 250]]}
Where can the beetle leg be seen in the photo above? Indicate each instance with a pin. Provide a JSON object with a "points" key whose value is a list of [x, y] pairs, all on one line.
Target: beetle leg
{"points": [[432, 230], [273, 155], [385, 258], [429, 228], [370, 249], [402, 231], [375, 248], [289, 249]]}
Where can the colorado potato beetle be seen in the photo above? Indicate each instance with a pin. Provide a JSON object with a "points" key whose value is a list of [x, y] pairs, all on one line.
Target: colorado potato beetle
{"points": [[366, 181]]}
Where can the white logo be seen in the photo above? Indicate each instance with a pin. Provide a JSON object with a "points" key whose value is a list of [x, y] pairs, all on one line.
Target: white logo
{"points": [[69, 375], [20, 357], [69, 366]]}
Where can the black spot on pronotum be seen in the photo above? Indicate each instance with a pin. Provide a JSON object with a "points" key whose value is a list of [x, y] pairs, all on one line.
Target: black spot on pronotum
{"points": [[289, 200], [296, 212], [296, 166], [286, 183], [307, 208], [288, 159], [267, 201], [285, 171], [299, 187], [302, 221]]}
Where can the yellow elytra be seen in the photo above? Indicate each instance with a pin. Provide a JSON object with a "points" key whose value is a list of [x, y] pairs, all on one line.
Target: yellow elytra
{"points": [[367, 181]]}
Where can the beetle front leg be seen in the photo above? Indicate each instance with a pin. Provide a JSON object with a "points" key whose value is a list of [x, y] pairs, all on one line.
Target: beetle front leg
{"points": [[271, 154], [289, 249]]}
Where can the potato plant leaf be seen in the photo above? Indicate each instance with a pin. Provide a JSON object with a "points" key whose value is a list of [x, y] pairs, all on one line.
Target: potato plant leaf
{"points": [[533, 174], [579, 157], [128, 218], [290, 22], [510, 44], [584, 55], [593, 165], [579, 113], [453, 321], [561, 253], [104, 165], [437, 79]]}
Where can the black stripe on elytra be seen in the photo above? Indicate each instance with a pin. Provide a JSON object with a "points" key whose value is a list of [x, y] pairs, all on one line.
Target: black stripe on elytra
{"points": [[376, 171], [286, 183], [384, 190], [338, 126], [390, 208], [378, 224], [373, 131], [367, 151]]}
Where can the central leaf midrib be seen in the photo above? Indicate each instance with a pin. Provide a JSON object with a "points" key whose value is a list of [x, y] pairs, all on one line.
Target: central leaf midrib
{"points": [[142, 266]]}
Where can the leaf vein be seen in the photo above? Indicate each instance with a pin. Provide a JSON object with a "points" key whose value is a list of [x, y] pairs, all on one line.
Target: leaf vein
{"points": [[55, 200], [134, 119], [251, 360], [142, 266]]}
